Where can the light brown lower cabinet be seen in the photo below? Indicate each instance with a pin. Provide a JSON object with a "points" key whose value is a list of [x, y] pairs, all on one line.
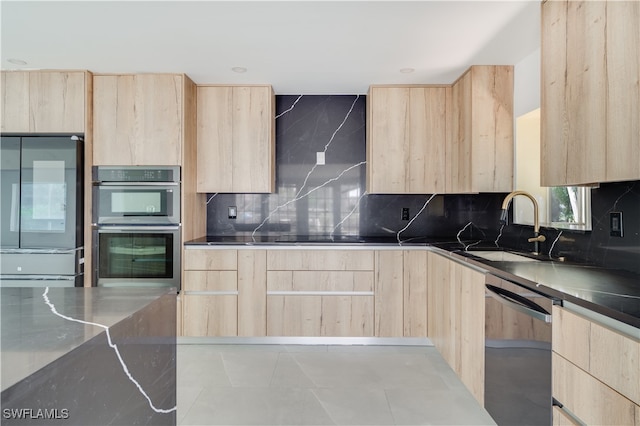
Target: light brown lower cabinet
{"points": [[206, 315], [456, 302], [596, 370]]}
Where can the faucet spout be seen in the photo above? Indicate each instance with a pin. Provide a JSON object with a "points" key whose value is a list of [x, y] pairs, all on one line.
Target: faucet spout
{"points": [[537, 238]]}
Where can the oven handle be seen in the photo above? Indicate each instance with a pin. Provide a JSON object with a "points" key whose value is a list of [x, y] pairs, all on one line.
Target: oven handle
{"points": [[519, 303], [123, 228]]}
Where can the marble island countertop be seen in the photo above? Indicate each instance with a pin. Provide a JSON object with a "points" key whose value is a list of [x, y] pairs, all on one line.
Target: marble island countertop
{"points": [[610, 292], [33, 335]]}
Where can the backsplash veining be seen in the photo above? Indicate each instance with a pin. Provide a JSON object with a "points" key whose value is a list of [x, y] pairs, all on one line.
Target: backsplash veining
{"points": [[330, 199]]}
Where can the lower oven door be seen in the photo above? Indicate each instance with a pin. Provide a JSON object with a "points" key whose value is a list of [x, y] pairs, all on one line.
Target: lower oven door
{"points": [[517, 354], [144, 256]]}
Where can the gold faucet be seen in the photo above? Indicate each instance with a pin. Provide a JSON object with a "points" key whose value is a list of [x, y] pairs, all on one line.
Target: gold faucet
{"points": [[537, 237]]}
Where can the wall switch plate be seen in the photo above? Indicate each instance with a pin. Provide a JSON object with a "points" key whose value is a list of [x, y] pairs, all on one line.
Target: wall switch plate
{"points": [[405, 213], [233, 212], [320, 158], [615, 224]]}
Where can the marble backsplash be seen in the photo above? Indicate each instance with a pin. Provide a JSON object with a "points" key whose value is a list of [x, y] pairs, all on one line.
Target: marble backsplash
{"points": [[331, 199]]}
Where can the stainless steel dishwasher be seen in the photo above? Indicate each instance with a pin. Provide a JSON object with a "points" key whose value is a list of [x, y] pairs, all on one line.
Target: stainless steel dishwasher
{"points": [[517, 354]]}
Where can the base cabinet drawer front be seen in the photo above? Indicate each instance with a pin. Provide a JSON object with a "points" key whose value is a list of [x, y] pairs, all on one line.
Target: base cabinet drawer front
{"points": [[307, 315], [320, 260], [608, 355], [218, 281], [206, 315], [592, 401], [210, 260]]}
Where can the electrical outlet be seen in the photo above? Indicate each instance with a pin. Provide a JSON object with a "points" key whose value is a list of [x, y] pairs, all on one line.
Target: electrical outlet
{"points": [[405, 213], [320, 158], [233, 212], [615, 224]]}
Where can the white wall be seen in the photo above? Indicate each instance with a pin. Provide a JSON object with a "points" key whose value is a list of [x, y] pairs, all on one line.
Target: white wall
{"points": [[526, 84]]}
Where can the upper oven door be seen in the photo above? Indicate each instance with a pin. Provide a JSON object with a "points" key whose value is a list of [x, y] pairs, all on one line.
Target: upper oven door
{"points": [[136, 204]]}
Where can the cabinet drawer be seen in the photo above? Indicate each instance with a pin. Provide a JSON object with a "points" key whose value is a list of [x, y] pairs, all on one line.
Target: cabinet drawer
{"points": [[205, 315], [218, 281], [211, 260], [320, 281], [320, 260], [342, 316], [608, 355], [589, 399]]}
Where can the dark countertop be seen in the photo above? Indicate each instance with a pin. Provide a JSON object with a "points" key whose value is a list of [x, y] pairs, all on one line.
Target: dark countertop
{"points": [[610, 292], [33, 336]]}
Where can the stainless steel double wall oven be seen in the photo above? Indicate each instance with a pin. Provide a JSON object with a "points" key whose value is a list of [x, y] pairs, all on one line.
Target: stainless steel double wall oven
{"points": [[136, 226]]}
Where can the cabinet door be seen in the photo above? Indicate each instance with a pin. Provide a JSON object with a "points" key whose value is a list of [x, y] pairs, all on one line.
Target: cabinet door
{"points": [[589, 399], [252, 293], [388, 290], [15, 102], [43, 102], [210, 315], [480, 152], [492, 128], [415, 293], [407, 137], [236, 149], [138, 119]]}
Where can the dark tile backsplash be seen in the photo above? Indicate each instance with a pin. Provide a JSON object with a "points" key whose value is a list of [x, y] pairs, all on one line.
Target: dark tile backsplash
{"points": [[330, 199]]}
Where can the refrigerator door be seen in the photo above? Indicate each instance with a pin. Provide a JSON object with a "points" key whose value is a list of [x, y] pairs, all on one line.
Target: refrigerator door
{"points": [[10, 192], [50, 214]]}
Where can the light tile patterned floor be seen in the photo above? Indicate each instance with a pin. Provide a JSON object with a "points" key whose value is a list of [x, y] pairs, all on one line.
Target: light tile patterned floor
{"points": [[320, 385]]}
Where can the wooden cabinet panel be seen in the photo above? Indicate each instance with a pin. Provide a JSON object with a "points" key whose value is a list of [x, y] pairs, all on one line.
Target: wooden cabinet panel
{"points": [[210, 281], [415, 293], [210, 315], [571, 336], [252, 293], [15, 101], [205, 260], [471, 339], [389, 316], [57, 102], [623, 90], [588, 398], [236, 139], [298, 315], [138, 119], [590, 94], [481, 157], [44, 101], [608, 355], [319, 260], [406, 139], [320, 281], [455, 323]]}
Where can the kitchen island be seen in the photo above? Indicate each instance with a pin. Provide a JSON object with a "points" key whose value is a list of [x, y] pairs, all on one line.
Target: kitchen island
{"points": [[88, 356]]}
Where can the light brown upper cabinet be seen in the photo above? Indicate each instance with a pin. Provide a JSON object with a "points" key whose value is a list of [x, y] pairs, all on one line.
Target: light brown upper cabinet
{"points": [[236, 139], [406, 139], [590, 106], [138, 119], [480, 148], [45, 101]]}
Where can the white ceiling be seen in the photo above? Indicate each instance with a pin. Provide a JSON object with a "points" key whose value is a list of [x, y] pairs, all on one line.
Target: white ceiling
{"points": [[299, 47]]}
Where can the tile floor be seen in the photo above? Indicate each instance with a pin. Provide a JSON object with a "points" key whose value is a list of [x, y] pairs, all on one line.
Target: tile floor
{"points": [[320, 385]]}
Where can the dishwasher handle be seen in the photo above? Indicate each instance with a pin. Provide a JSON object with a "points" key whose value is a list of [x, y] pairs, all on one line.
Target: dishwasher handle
{"points": [[519, 303]]}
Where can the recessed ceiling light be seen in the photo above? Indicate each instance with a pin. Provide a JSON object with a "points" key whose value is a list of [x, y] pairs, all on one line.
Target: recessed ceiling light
{"points": [[407, 70], [15, 61], [239, 70]]}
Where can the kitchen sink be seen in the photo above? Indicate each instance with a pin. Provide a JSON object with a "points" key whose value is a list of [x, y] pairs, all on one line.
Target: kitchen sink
{"points": [[502, 256]]}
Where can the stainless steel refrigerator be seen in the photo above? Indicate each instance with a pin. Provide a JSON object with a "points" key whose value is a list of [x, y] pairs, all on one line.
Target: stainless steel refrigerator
{"points": [[41, 232]]}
